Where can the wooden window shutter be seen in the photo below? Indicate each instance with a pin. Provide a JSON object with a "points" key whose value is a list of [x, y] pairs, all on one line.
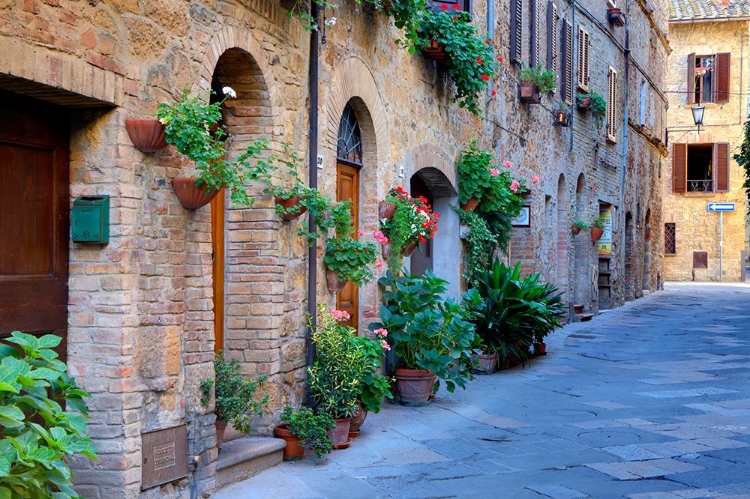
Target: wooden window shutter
{"points": [[722, 77], [679, 167], [534, 52], [516, 30], [691, 79], [612, 105], [551, 36], [436, 5], [721, 169], [583, 60], [566, 90]]}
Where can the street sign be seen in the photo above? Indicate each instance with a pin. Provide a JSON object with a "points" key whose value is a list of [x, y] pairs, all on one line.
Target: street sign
{"points": [[720, 206]]}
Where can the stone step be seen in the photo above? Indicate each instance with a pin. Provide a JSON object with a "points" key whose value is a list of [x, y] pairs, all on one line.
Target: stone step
{"points": [[578, 308], [245, 457], [583, 317]]}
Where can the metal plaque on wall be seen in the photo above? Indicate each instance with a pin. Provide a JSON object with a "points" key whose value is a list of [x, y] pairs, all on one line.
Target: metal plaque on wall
{"points": [[164, 456]]}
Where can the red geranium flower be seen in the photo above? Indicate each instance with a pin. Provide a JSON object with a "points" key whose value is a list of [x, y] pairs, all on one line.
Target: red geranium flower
{"points": [[444, 6], [493, 93], [479, 61], [455, 6], [485, 77]]}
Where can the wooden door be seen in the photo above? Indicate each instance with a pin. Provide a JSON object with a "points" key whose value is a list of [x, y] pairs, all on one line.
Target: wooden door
{"points": [[34, 218], [347, 187], [421, 260], [218, 205]]}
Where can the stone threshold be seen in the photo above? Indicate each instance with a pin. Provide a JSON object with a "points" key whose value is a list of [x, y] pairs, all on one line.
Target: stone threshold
{"points": [[245, 457]]}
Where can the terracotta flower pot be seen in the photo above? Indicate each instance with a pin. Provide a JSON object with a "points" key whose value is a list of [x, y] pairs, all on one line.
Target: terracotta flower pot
{"points": [[221, 428], [409, 249], [470, 205], [437, 52], [540, 349], [288, 203], [293, 450], [487, 363], [146, 134], [386, 210], [340, 434], [190, 196], [596, 233], [358, 419], [334, 282], [414, 386], [575, 230], [529, 93]]}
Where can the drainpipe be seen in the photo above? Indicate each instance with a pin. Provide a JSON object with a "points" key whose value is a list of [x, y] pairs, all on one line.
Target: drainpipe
{"points": [[312, 260], [491, 36], [625, 131]]}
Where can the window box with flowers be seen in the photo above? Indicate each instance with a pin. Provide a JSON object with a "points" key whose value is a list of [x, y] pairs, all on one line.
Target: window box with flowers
{"points": [[412, 223], [469, 58], [192, 126], [536, 81]]}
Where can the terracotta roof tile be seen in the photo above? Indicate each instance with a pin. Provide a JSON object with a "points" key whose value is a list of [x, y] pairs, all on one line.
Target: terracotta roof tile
{"points": [[687, 10]]}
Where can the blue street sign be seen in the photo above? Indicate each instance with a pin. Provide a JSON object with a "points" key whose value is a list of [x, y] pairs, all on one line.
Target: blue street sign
{"points": [[720, 206]]}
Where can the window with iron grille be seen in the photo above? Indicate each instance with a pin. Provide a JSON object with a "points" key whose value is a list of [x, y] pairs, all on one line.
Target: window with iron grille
{"points": [[612, 106], [584, 42], [670, 239], [708, 78], [349, 145], [437, 5]]}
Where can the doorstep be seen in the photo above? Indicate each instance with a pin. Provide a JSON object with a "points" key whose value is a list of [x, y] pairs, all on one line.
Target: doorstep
{"points": [[245, 457]]}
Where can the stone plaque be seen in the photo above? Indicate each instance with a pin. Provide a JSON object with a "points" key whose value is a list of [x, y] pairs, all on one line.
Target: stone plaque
{"points": [[164, 456]]}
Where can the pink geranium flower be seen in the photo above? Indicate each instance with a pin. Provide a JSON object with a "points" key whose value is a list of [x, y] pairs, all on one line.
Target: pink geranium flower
{"points": [[380, 237], [494, 172], [340, 315], [381, 332], [534, 179], [379, 264], [361, 232], [508, 164], [515, 185], [385, 345]]}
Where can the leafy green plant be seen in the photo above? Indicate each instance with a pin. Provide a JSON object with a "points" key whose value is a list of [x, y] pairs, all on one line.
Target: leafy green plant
{"points": [[481, 177], [743, 159], [311, 428], [235, 396], [192, 126], [598, 223], [374, 385], [406, 15], [597, 105], [37, 437], [350, 258], [514, 312], [427, 331], [581, 225], [544, 79], [480, 242], [335, 378], [470, 58]]}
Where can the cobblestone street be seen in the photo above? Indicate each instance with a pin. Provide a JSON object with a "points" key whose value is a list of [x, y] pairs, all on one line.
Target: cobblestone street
{"points": [[649, 401]]}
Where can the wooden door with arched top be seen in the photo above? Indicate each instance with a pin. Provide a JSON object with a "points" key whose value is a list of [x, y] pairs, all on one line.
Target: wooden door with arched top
{"points": [[347, 187]]}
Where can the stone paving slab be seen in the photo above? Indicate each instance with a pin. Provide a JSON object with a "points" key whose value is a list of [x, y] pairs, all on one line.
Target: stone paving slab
{"points": [[605, 415]]}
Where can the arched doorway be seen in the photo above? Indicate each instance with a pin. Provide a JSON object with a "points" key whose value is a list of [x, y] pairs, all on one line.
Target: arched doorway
{"points": [[348, 165], [582, 249], [563, 235]]}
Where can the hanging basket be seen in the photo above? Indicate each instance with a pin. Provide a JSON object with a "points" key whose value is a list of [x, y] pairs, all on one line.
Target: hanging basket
{"points": [[596, 233], [386, 210], [409, 249], [190, 196], [289, 203], [437, 52], [334, 282], [470, 205], [147, 135], [529, 93]]}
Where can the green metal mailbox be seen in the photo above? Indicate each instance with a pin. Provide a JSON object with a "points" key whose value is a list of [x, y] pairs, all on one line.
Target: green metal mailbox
{"points": [[90, 219]]}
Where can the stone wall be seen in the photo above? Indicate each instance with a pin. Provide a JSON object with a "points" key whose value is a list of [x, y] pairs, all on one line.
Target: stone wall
{"points": [[698, 230]]}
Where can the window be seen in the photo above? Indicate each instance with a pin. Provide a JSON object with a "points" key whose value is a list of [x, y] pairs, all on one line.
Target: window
{"points": [[583, 59], [551, 36], [566, 71], [464, 5], [670, 239], [700, 167], [612, 106], [536, 24], [349, 145], [708, 78], [516, 31]]}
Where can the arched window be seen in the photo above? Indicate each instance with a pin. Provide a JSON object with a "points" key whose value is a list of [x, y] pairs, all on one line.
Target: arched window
{"points": [[349, 146]]}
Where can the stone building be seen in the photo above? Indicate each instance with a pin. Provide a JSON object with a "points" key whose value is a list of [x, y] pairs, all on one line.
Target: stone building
{"points": [[143, 314], [706, 70]]}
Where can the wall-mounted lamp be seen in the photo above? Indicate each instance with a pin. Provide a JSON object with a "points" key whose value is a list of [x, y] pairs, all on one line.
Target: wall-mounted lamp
{"points": [[698, 116]]}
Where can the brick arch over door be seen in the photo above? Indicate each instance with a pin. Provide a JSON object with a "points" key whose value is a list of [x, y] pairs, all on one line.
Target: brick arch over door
{"points": [[353, 84]]}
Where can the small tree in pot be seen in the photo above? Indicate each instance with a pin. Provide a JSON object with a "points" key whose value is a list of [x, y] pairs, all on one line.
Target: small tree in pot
{"points": [[302, 429]]}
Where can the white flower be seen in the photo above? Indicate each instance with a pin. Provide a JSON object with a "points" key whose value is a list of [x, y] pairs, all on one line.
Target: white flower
{"points": [[230, 92], [330, 22]]}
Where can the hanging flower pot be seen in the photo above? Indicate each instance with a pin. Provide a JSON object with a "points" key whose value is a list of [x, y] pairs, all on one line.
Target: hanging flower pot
{"points": [[575, 230], [291, 202], [409, 249], [583, 102], [529, 92], [386, 210], [596, 233], [190, 196], [334, 282], [147, 135], [615, 16], [470, 205], [437, 52]]}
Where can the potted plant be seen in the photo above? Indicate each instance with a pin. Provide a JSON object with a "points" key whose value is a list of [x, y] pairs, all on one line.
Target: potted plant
{"points": [[595, 103], [374, 385], [406, 15], [412, 223], [146, 134], [430, 335], [469, 59], [235, 399], [578, 226], [337, 372], [347, 258], [597, 229], [302, 429], [193, 127], [535, 81], [616, 16]]}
